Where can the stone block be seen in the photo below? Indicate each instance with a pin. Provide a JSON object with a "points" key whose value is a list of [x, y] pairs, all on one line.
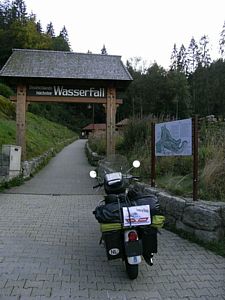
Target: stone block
{"points": [[202, 216], [209, 236], [164, 199], [223, 213], [170, 220], [175, 206], [151, 190], [181, 226]]}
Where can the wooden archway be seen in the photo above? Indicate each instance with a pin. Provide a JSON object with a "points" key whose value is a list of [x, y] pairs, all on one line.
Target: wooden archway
{"points": [[58, 76], [23, 98]]}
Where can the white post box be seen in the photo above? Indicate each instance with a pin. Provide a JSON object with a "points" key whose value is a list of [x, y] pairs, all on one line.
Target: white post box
{"points": [[14, 154]]}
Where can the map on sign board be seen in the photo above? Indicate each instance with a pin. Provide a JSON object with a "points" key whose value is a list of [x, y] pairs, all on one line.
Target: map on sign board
{"points": [[173, 138]]}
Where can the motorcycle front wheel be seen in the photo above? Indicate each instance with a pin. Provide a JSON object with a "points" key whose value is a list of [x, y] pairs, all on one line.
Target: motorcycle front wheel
{"points": [[132, 270]]}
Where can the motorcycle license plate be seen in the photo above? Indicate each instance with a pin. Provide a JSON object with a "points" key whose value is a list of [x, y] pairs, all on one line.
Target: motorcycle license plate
{"points": [[133, 248], [136, 215]]}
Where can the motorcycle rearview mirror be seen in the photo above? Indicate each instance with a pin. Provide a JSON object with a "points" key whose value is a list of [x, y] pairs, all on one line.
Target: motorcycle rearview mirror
{"points": [[136, 163], [93, 174]]}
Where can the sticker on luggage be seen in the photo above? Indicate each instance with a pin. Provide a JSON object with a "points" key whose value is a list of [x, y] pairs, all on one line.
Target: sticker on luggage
{"points": [[136, 215]]}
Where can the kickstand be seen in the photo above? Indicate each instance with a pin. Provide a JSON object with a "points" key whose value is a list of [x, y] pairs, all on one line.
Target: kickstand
{"points": [[100, 242]]}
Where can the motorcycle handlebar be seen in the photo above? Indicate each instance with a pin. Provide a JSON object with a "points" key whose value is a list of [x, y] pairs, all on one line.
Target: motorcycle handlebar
{"points": [[131, 177], [126, 177], [98, 185], [136, 177]]}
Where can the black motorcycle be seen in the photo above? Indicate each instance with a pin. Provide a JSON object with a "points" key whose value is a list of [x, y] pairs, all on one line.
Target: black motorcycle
{"points": [[129, 217]]}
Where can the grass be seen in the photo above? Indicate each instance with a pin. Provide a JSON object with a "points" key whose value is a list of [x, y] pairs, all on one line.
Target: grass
{"points": [[41, 134], [178, 185], [17, 181], [215, 247]]}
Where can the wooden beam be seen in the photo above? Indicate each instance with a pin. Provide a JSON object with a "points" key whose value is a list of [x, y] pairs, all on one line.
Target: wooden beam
{"points": [[111, 121], [21, 119], [66, 99]]}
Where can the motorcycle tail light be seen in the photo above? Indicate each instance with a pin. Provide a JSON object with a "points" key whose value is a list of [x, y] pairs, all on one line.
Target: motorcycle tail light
{"points": [[132, 236]]}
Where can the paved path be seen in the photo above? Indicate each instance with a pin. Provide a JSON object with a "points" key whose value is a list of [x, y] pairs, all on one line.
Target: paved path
{"points": [[66, 174], [49, 246]]}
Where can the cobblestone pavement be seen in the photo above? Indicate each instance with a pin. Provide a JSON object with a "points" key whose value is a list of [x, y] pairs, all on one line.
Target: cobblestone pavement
{"points": [[49, 249]]}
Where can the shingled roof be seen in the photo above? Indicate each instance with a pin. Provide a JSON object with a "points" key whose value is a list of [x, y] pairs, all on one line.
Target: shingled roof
{"points": [[27, 63]]}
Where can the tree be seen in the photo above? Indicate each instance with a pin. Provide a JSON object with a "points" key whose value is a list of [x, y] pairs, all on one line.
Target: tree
{"points": [[178, 94], [200, 91], [20, 30], [19, 10], [216, 90], [64, 34], [155, 86], [174, 59], [59, 44], [50, 30], [182, 60], [192, 56], [39, 27], [3, 9], [222, 41], [204, 55], [11, 12]]}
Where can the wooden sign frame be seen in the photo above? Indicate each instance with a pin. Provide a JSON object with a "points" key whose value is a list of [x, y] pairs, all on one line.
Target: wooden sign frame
{"points": [[194, 155], [22, 100]]}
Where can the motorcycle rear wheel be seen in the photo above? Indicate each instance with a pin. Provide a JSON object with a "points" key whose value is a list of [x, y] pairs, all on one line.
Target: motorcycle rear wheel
{"points": [[132, 270]]}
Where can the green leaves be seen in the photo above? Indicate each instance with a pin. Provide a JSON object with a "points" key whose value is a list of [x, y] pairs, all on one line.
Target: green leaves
{"points": [[20, 30]]}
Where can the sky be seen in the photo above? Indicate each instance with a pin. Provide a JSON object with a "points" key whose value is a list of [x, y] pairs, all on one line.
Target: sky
{"points": [[130, 28]]}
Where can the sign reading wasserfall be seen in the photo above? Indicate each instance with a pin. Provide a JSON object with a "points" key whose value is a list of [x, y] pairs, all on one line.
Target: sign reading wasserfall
{"points": [[61, 91]]}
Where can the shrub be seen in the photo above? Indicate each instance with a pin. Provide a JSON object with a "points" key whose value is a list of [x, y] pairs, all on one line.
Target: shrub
{"points": [[137, 132], [7, 108], [6, 91], [97, 142]]}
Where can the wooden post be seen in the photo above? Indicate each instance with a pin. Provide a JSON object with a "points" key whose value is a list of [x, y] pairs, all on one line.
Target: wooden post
{"points": [[153, 155], [195, 158], [110, 121], [21, 119]]}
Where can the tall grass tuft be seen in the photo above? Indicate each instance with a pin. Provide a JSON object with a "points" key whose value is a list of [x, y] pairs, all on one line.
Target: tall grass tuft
{"points": [[97, 142], [213, 172]]}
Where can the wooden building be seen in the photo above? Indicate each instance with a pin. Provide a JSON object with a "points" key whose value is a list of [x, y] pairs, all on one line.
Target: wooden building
{"points": [[92, 128]]}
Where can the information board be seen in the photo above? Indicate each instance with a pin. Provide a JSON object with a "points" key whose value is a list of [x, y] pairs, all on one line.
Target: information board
{"points": [[173, 138]]}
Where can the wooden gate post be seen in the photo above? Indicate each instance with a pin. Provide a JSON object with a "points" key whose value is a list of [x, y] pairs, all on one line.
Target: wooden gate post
{"points": [[111, 121], [21, 119]]}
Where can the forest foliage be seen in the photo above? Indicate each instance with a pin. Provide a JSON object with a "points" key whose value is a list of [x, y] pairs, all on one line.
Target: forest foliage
{"points": [[18, 29], [193, 84]]}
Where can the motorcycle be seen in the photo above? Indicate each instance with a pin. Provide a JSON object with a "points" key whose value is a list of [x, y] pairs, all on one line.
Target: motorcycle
{"points": [[129, 217]]}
